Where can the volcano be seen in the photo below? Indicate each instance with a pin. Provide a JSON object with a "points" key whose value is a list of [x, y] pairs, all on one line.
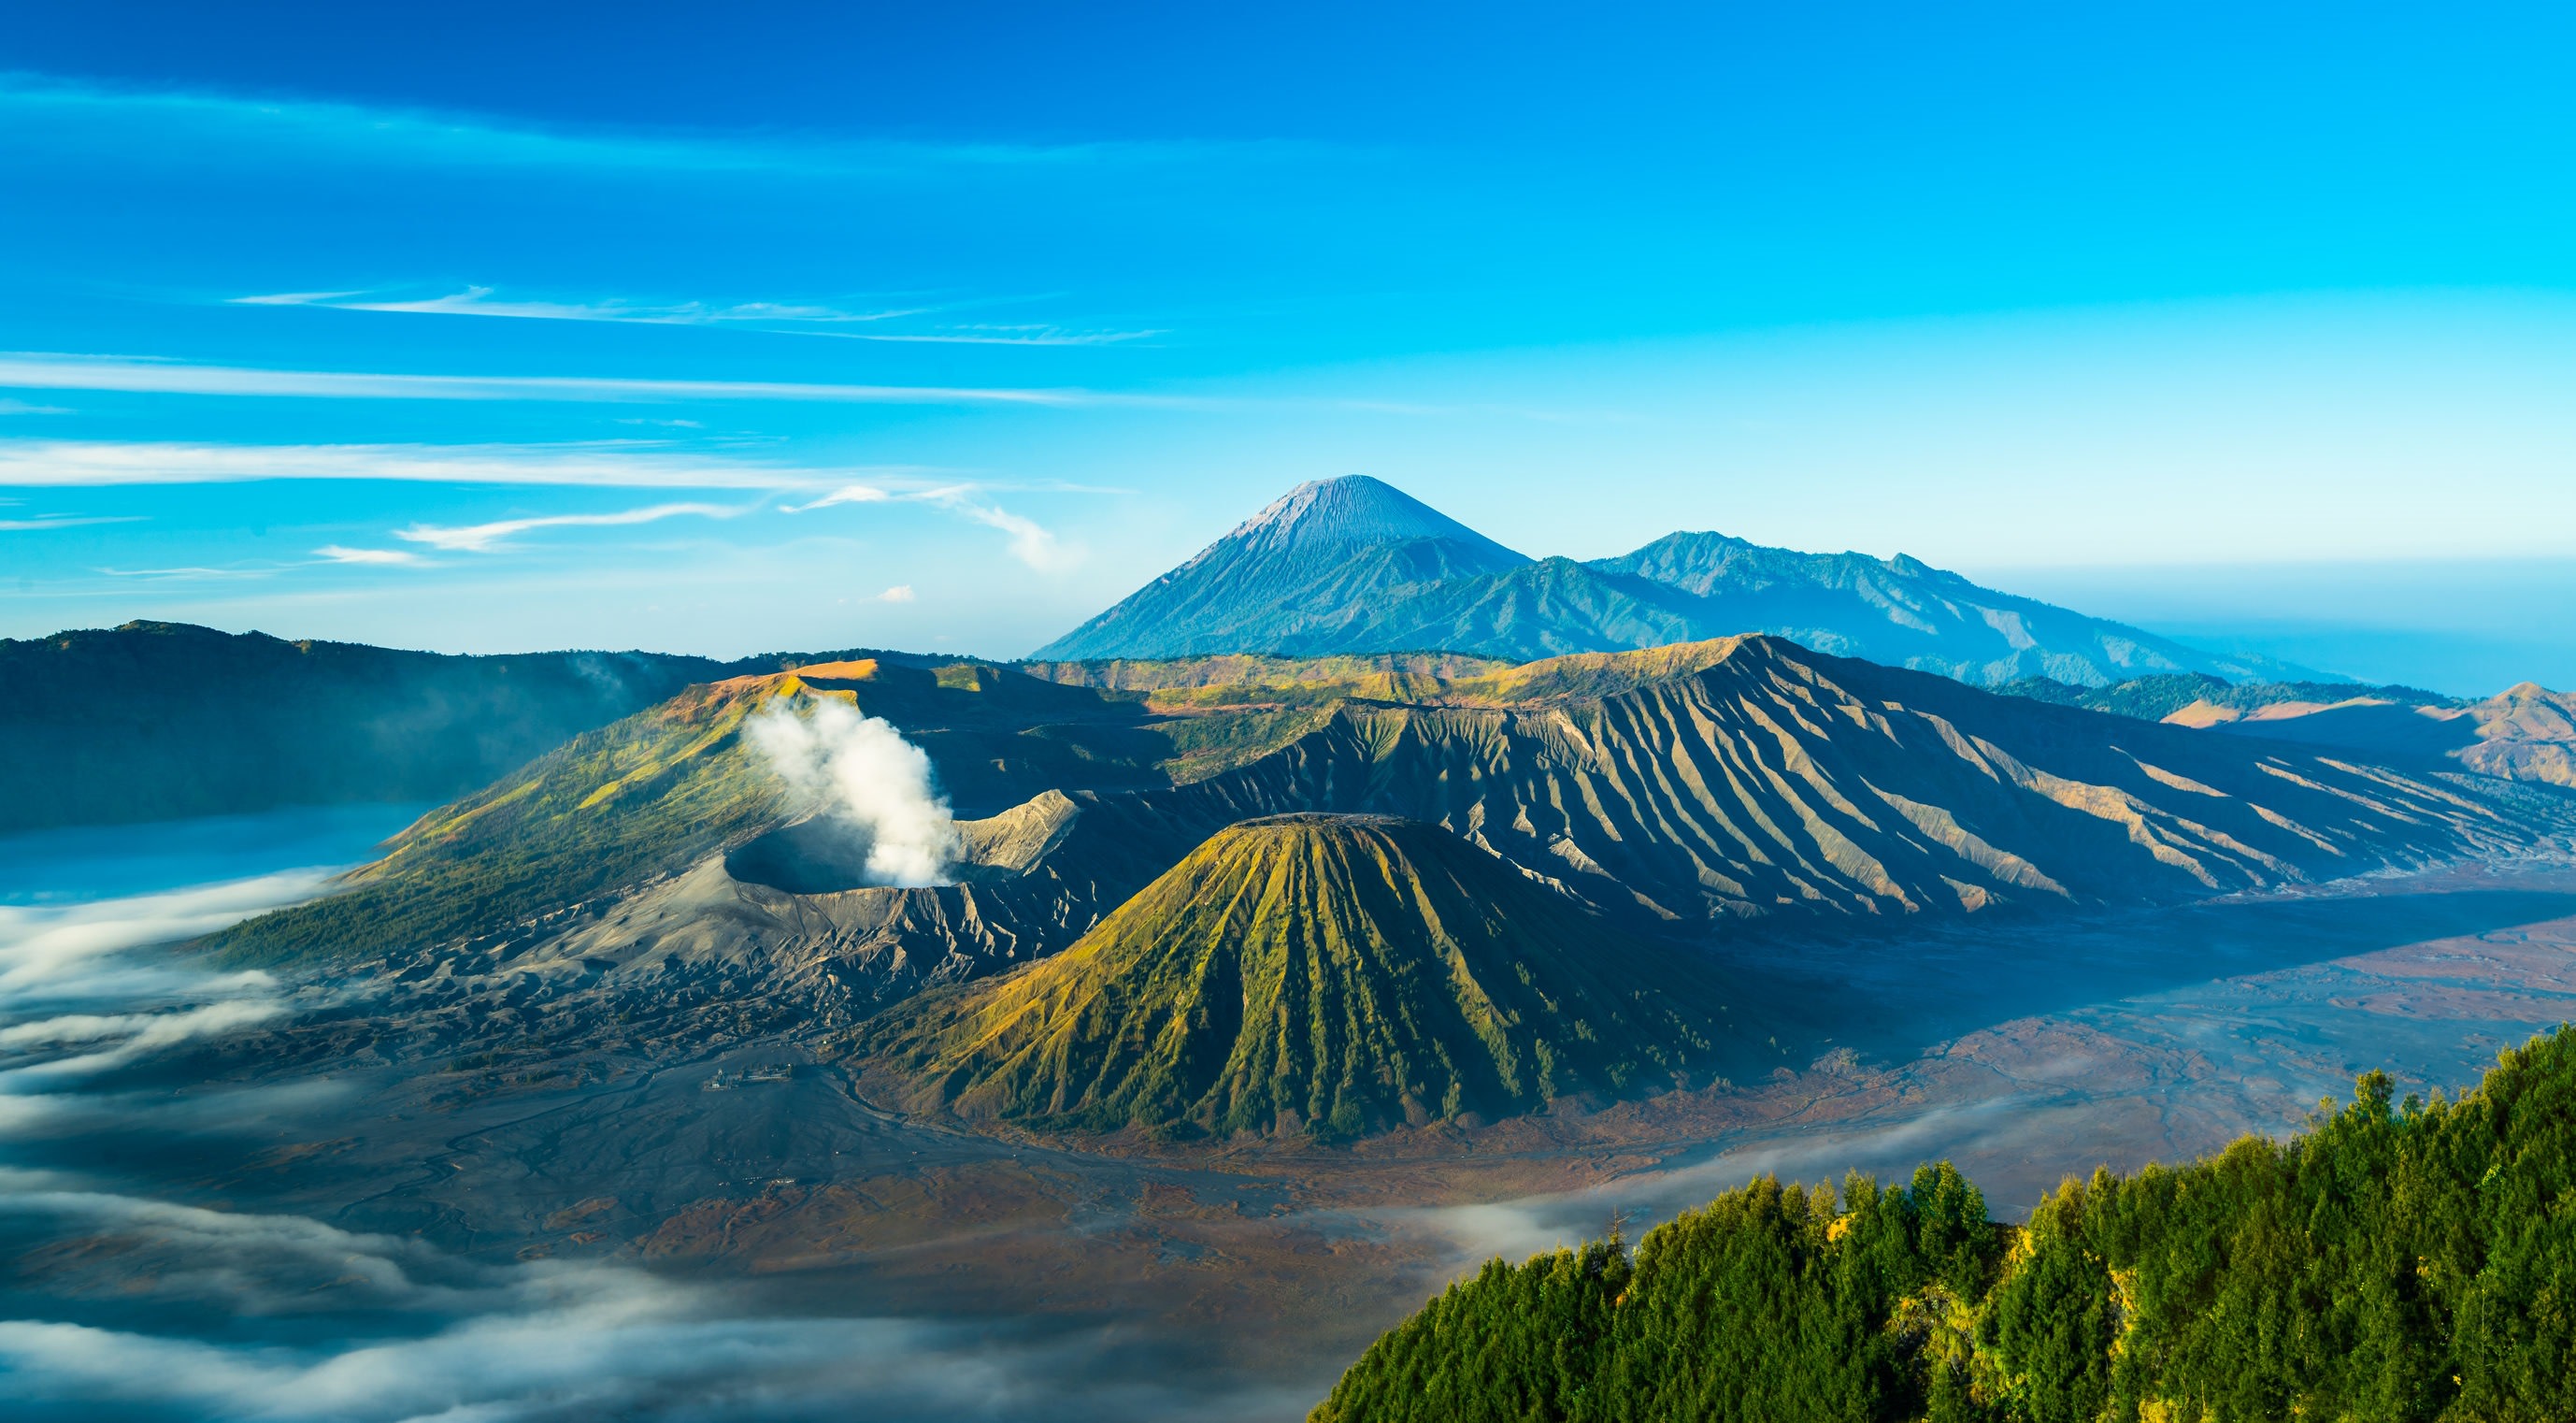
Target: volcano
{"points": [[1329, 973]]}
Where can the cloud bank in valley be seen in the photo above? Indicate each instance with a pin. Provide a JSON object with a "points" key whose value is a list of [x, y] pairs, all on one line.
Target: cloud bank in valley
{"points": [[170, 1309], [59, 951]]}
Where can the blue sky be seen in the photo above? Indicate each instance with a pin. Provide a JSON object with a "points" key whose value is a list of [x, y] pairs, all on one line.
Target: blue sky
{"points": [[483, 327]]}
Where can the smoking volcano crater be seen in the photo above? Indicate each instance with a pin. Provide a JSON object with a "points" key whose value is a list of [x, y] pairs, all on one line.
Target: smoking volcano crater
{"points": [[823, 855]]}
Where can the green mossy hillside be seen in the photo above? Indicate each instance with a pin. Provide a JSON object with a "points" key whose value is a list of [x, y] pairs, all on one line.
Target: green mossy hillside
{"points": [[1337, 974], [2396, 1262], [647, 795], [658, 791]]}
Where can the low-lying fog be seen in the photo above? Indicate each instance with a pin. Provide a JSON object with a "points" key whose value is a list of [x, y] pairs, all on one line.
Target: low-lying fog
{"points": [[160, 1256]]}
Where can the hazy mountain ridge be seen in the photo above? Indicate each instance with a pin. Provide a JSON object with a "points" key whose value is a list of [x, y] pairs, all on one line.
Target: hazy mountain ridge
{"points": [[2163, 696], [1271, 587], [159, 721], [2524, 733]]}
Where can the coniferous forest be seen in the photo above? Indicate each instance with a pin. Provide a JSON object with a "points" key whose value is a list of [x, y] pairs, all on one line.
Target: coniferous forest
{"points": [[2396, 1261]]}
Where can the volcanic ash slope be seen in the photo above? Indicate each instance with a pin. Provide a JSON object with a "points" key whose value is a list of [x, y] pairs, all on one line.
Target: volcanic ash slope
{"points": [[1334, 973]]}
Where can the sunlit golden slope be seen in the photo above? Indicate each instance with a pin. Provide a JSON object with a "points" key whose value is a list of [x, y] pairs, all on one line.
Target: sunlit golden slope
{"points": [[1751, 775], [1332, 972]]}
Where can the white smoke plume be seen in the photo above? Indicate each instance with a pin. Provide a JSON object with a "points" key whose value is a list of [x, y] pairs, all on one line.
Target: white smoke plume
{"points": [[868, 778]]}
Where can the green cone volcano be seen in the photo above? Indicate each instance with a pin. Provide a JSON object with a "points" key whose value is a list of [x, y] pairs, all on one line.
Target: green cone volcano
{"points": [[1338, 973]]}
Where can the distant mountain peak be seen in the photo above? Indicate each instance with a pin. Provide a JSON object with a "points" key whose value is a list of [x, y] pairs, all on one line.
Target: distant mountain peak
{"points": [[1354, 566], [1354, 509], [1321, 555]]}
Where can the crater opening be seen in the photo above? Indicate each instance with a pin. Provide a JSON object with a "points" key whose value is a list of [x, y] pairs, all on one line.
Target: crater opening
{"points": [[818, 856]]}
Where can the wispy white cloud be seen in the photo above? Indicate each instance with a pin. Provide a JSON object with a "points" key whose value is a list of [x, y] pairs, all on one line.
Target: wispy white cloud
{"points": [[144, 1029], [46, 948], [612, 465], [485, 538], [391, 557], [846, 494], [609, 464], [48, 371], [20, 407], [195, 121], [549, 1340], [245, 570], [1031, 543], [782, 318], [67, 521], [480, 301], [120, 1038], [296, 298], [899, 593], [1001, 336]]}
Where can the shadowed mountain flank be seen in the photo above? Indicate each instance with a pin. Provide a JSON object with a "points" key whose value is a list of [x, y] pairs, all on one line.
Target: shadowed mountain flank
{"points": [[158, 721], [1352, 567], [2198, 699], [2524, 733], [1334, 973], [1756, 777]]}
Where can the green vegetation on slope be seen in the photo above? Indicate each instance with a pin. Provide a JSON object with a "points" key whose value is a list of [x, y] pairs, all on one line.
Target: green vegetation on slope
{"points": [[668, 786], [645, 796], [1333, 973], [2396, 1262]]}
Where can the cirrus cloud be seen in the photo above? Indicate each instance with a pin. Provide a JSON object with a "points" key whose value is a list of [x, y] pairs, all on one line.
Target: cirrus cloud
{"points": [[485, 538], [774, 317], [385, 557], [1030, 542], [606, 464], [142, 375]]}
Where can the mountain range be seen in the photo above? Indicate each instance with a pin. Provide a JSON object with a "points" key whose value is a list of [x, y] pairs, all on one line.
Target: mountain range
{"points": [[1362, 866], [654, 886], [2524, 733], [1354, 565]]}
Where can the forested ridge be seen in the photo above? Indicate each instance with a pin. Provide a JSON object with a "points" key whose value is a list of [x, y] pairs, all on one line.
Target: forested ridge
{"points": [[2397, 1261]]}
